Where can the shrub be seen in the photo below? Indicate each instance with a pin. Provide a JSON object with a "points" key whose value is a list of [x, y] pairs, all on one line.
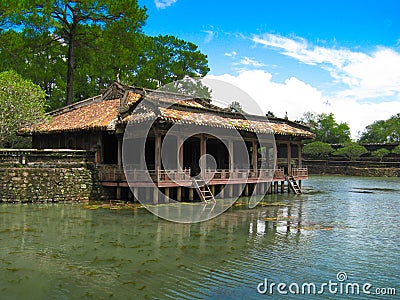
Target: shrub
{"points": [[396, 150], [22, 104], [351, 150], [382, 152], [317, 150]]}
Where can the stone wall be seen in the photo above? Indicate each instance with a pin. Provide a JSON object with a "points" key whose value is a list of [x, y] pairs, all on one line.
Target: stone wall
{"points": [[48, 176], [372, 169]]}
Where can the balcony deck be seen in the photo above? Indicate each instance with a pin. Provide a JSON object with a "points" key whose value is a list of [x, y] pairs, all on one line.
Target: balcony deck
{"points": [[112, 176]]}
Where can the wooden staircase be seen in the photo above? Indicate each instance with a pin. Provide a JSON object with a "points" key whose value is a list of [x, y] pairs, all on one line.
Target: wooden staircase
{"points": [[203, 189], [293, 184]]}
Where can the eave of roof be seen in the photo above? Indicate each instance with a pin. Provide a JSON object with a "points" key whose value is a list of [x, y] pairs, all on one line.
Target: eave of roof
{"points": [[102, 113]]}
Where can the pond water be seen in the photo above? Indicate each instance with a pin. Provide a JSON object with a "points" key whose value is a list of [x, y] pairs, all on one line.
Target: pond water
{"points": [[340, 224]]}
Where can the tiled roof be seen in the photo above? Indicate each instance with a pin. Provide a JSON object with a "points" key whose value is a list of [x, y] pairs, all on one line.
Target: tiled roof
{"points": [[100, 114], [286, 129], [183, 101], [215, 120], [93, 116]]}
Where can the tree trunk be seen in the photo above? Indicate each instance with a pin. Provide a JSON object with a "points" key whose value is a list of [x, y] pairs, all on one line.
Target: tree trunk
{"points": [[71, 63]]}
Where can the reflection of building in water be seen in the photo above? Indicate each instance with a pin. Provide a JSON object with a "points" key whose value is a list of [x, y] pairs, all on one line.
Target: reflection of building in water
{"points": [[257, 226], [99, 123]]}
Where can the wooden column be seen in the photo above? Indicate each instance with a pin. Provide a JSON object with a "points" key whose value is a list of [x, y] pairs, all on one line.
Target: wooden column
{"points": [[254, 157], [118, 196], [212, 189], [230, 190], [262, 188], [100, 144], [299, 147], [119, 162], [300, 158], [157, 151], [155, 195], [289, 159], [119, 159], [203, 150], [190, 194], [179, 194], [269, 191], [180, 152], [231, 156], [221, 192], [166, 192]]}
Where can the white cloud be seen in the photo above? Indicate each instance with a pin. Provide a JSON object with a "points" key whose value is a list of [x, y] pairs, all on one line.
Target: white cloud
{"points": [[247, 61], [296, 97], [209, 37], [366, 75], [230, 54], [162, 4]]}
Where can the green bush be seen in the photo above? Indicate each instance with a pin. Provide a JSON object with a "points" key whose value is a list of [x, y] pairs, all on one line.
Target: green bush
{"points": [[351, 150], [22, 103], [396, 150], [317, 150], [381, 153]]}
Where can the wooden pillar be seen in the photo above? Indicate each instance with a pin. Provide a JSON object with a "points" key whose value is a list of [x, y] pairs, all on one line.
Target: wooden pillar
{"points": [[101, 147], [155, 195], [119, 150], [179, 193], [269, 191], [262, 188], [213, 189], [118, 192], [221, 193], [190, 194], [299, 147], [254, 157], [282, 187], [230, 190], [276, 187], [157, 151], [203, 151], [289, 159], [231, 156], [119, 162], [246, 189], [179, 142], [166, 192]]}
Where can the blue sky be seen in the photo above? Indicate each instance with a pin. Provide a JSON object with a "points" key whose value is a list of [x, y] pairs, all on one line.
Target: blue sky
{"points": [[296, 56]]}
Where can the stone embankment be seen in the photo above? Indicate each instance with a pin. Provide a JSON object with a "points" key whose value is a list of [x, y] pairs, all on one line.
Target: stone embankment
{"points": [[48, 176], [353, 168]]}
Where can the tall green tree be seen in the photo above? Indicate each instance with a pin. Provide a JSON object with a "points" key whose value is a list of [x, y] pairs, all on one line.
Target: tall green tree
{"points": [[74, 49], [166, 59], [326, 128], [22, 104], [382, 131], [66, 24]]}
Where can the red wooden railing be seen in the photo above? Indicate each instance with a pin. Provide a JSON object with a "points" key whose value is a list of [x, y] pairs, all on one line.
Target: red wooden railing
{"points": [[114, 174]]}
